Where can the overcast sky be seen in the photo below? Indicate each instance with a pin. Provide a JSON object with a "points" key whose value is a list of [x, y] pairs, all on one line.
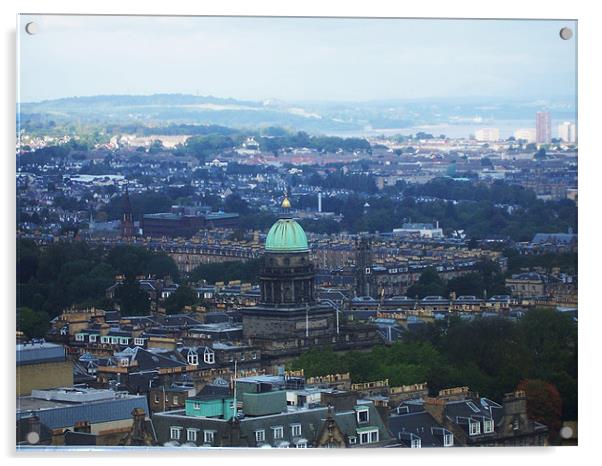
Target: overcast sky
{"points": [[295, 59]]}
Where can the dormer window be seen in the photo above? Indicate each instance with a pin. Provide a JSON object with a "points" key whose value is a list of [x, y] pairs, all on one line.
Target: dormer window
{"points": [[175, 432], [79, 337], [363, 415], [209, 357], [209, 436], [474, 427], [191, 434], [125, 362], [368, 435], [193, 359], [488, 426], [278, 432], [448, 440], [416, 442]]}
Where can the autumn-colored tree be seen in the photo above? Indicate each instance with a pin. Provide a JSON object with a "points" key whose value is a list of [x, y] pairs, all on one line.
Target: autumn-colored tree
{"points": [[543, 404]]}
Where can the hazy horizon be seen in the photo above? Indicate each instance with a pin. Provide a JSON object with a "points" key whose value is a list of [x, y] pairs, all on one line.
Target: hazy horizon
{"points": [[329, 60]]}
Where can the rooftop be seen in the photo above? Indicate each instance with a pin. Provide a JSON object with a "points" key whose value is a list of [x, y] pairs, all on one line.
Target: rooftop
{"points": [[39, 352]]}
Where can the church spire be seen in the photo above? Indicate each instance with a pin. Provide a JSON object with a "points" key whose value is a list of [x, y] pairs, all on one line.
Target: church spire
{"points": [[127, 221]]}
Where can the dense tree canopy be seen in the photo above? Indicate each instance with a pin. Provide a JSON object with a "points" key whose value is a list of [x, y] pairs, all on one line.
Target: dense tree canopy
{"points": [[226, 271], [59, 275], [490, 355], [33, 324]]}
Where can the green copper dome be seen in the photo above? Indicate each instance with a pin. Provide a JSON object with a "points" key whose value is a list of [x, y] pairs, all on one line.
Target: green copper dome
{"points": [[286, 235]]}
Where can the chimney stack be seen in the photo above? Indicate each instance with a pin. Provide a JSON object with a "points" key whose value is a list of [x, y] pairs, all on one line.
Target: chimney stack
{"points": [[436, 408]]}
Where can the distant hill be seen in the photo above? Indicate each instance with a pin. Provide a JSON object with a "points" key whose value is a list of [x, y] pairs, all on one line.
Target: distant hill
{"points": [[162, 109]]}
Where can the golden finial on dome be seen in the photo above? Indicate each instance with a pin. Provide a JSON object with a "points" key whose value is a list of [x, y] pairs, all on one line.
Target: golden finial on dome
{"points": [[286, 204]]}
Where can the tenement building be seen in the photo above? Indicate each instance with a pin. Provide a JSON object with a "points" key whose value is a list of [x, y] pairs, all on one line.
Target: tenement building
{"points": [[289, 316]]}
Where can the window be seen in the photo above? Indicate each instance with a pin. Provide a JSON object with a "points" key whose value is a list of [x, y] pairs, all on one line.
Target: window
{"points": [[278, 432], [416, 442], [156, 398], [473, 407], [515, 424], [296, 430], [302, 444], [92, 338], [488, 426], [209, 357], [370, 436], [175, 399], [191, 435], [474, 428], [352, 440], [260, 436], [196, 405], [139, 341], [193, 359], [362, 415], [448, 440], [209, 436], [79, 337], [174, 433], [254, 355]]}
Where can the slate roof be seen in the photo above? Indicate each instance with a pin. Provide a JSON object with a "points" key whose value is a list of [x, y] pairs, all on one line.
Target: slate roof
{"points": [[565, 238], [420, 424], [67, 414], [311, 421], [37, 353]]}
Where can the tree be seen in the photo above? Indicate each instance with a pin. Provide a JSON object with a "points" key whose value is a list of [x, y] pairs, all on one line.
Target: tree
{"points": [[28, 255], [131, 299], [429, 284], [182, 297], [497, 350], [468, 284], [33, 324], [544, 404], [551, 338], [247, 271], [234, 203]]}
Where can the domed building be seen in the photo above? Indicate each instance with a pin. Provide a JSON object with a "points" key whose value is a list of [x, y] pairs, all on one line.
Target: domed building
{"points": [[289, 317]]}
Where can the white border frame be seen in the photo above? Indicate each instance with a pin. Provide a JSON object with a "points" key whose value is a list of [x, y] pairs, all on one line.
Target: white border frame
{"points": [[589, 170]]}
